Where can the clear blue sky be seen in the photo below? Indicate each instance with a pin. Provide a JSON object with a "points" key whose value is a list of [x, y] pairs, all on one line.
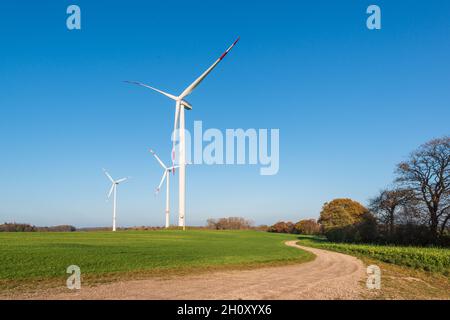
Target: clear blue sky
{"points": [[350, 103]]}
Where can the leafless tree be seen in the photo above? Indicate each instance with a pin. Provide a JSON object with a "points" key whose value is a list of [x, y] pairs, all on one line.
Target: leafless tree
{"points": [[427, 174], [393, 206], [231, 223]]}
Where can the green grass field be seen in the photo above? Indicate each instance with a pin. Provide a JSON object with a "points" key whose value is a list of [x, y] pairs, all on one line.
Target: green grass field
{"points": [[43, 256], [427, 259]]}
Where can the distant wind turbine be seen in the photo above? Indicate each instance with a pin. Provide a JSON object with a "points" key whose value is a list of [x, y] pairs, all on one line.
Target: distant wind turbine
{"points": [[166, 175], [114, 185], [180, 105]]}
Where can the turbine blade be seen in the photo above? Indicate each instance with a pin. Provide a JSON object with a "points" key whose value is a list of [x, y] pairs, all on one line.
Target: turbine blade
{"points": [[108, 175], [162, 181], [122, 180], [194, 84], [111, 190], [171, 96], [157, 158]]}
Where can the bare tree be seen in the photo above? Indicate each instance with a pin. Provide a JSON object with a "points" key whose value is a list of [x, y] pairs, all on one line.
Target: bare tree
{"points": [[231, 223], [211, 223], [427, 173], [393, 206]]}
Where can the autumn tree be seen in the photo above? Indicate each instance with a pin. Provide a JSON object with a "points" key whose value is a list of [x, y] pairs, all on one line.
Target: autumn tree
{"points": [[347, 220], [307, 226], [282, 227], [427, 174], [340, 213]]}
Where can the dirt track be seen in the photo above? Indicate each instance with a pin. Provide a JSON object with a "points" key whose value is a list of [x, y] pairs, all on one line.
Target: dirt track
{"points": [[330, 276]]}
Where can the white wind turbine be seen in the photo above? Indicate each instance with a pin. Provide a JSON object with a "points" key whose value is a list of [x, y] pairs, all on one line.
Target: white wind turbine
{"points": [[166, 175], [114, 185], [180, 105]]}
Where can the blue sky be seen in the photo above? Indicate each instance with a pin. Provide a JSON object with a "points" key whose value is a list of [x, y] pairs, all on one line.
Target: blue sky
{"points": [[350, 103]]}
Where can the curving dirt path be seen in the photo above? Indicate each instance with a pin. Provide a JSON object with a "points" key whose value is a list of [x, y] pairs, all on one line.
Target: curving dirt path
{"points": [[331, 275]]}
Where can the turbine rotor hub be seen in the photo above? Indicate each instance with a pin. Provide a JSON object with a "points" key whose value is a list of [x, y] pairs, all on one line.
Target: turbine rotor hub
{"points": [[186, 104]]}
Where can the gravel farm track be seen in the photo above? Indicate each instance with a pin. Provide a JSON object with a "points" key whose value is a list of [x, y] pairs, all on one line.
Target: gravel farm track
{"points": [[330, 275]]}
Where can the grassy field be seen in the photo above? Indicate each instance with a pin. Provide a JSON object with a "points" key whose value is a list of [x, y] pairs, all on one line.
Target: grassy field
{"points": [[435, 260], [34, 256]]}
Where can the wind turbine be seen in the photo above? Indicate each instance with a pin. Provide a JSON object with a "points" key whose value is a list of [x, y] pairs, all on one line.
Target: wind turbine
{"points": [[180, 105], [166, 175], [114, 185]]}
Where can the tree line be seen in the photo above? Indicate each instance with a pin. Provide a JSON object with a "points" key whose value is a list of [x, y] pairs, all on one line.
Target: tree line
{"points": [[417, 207], [415, 210], [229, 223], [24, 227], [306, 226]]}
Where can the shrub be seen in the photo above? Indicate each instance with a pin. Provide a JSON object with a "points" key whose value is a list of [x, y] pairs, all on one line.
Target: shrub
{"points": [[231, 223], [282, 227], [307, 226]]}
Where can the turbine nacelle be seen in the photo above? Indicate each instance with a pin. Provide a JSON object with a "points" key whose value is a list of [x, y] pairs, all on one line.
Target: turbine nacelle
{"points": [[186, 104], [166, 171]]}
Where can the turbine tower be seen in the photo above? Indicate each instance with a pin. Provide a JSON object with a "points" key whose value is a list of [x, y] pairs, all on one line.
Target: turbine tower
{"points": [[180, 105], [165, 176], [114, 185]]}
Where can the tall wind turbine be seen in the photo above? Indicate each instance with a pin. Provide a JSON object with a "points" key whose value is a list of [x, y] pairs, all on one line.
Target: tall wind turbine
{"points": [[180, 105], [166, 175], [114, 185]]}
